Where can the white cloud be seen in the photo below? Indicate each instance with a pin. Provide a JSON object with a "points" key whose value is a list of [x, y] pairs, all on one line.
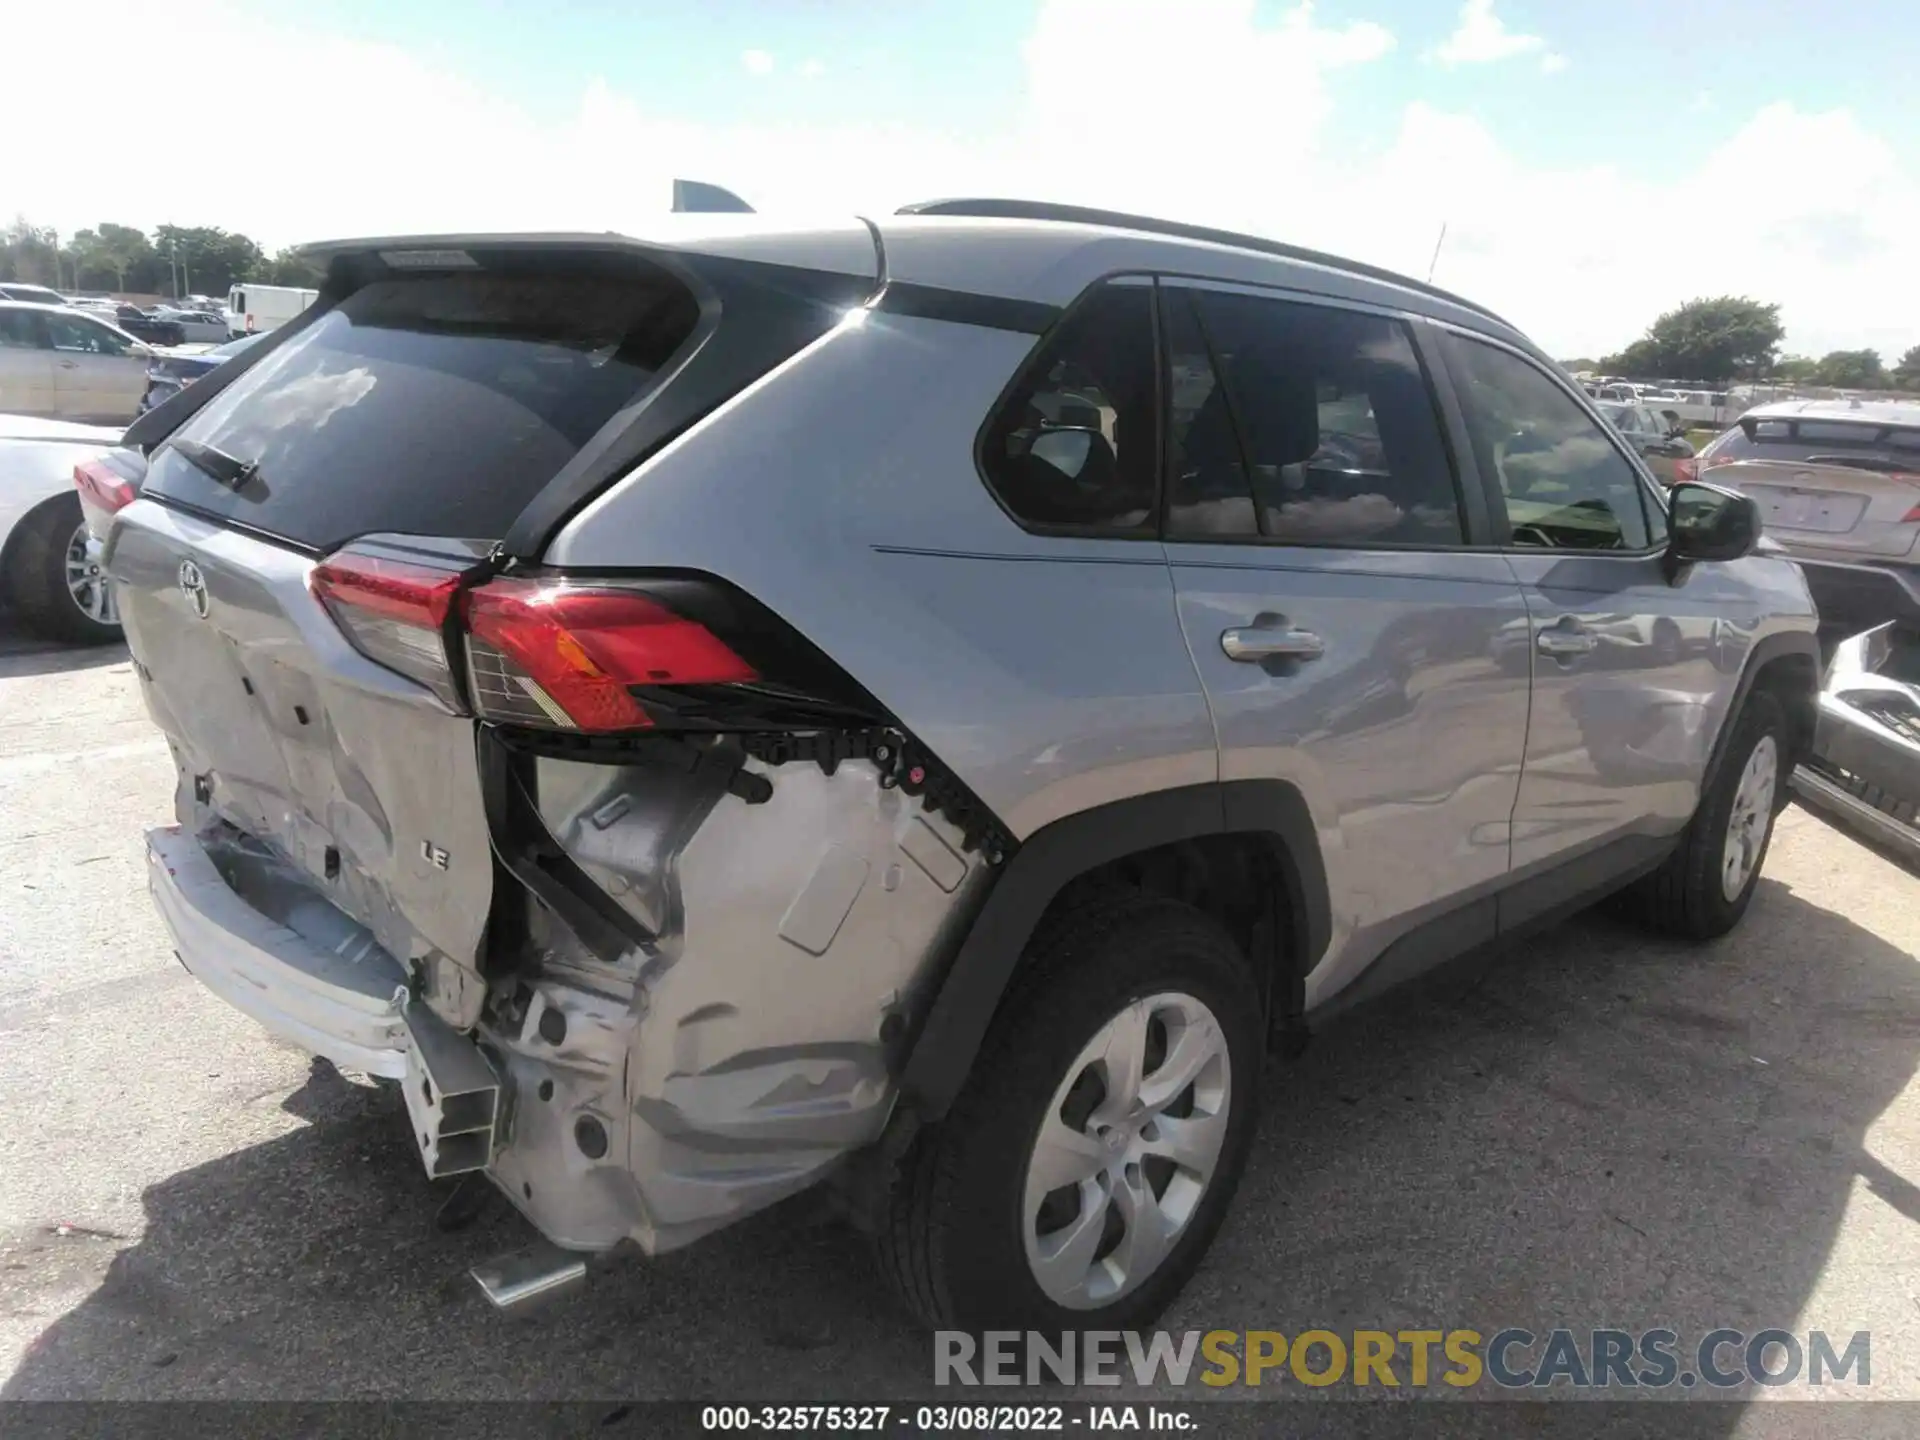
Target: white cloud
{"points": [[1552, 63], [757, 62], [812, 69], [1483, 38], [1580, 257]]}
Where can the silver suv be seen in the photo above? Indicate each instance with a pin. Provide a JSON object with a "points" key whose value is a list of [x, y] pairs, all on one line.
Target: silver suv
{"points": [[926, 703]]}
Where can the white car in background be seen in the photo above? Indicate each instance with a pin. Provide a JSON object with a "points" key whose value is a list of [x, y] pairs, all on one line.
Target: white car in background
{"points": [[50, 575], [60, 364]]}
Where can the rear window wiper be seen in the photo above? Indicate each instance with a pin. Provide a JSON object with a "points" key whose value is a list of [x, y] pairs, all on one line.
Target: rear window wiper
{"points": [[217, 464]]}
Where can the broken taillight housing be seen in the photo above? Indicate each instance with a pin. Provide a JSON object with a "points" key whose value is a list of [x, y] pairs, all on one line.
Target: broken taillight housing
{"points": [[102, 485], [566, 656], [394, 610], [589, 655]]}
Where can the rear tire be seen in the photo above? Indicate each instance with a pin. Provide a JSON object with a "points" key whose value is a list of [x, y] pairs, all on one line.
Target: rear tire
{"points": [[41, 587], [968, 1231], [1705, 886]]}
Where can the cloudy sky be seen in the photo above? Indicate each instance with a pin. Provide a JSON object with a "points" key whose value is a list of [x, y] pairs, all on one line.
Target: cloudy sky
{"points": [[1594, 163]]}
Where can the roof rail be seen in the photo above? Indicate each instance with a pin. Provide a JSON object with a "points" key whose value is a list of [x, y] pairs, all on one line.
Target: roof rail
{"points": [[991, 209]]}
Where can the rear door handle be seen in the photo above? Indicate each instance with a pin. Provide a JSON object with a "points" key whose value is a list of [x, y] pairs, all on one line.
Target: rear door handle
{"points": [[1252, 644], [1564, 643], [69, 364]]}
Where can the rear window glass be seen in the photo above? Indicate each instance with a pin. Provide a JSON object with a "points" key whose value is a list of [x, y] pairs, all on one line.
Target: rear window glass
{"points": [[430, 405], [1797, 441]]}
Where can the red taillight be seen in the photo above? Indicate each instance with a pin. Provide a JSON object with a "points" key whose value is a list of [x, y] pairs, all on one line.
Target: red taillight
{"points": [[392, 611], [1912, 517], [542, 652], [1685, 470], [103, 485], [412, 594]]}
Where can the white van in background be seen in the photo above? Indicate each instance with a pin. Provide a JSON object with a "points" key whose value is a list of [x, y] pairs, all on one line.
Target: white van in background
{"points": [[252, 309]]}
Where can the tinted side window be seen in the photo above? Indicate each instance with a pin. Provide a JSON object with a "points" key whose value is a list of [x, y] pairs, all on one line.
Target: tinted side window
{"points": [[83, 336], [1073, 445], [1564, 484], [1314, 426], [18, 331], [1208, 492]]}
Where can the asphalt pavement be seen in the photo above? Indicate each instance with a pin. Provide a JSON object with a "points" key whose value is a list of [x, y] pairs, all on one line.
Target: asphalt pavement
{"points": [[1598, 1130]]}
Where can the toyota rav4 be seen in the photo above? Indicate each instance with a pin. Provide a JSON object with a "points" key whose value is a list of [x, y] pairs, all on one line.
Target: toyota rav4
{"points": [[927, 703]]}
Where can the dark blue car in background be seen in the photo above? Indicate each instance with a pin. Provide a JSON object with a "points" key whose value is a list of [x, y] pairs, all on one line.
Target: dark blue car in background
{"points": [[171, 371]]}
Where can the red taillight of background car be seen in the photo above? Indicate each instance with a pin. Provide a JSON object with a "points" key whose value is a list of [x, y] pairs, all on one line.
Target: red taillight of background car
{"points": [[101, 484], [543, 652], [1912, 517], [1685, 470], [394, 611]]}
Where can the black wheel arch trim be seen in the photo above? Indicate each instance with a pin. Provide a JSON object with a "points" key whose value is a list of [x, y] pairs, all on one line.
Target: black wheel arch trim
{"points": [[965, 999], [1766, 650]]}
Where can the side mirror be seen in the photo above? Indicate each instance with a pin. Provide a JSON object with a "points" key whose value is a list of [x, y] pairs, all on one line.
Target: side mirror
{"points": [[1708, 522]]}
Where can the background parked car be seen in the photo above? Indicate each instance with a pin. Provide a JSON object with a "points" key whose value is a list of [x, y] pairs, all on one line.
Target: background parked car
{"points": [[151, 328], [49, 572], [1664, 446], [171, 371], [61, 364], [35, 294], [197, 327], [1839, 484]]}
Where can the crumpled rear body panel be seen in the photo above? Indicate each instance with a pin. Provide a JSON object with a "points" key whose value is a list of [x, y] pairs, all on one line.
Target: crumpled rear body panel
{"points": [[749, 1048]]}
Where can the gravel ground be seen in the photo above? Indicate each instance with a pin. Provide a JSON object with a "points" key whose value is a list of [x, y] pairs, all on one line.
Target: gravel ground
{"points": [[1601, 1130]]}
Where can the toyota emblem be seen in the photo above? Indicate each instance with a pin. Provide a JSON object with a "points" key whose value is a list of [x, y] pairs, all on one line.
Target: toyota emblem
{"points": [[193, 585]]}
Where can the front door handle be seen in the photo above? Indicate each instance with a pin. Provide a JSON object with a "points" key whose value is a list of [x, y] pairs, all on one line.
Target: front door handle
{"points": [[69, 364], [1563, 644], [1253, 644]]}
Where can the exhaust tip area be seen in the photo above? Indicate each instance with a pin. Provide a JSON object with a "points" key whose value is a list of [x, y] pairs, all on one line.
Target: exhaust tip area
{"points": [[522, 1281]]}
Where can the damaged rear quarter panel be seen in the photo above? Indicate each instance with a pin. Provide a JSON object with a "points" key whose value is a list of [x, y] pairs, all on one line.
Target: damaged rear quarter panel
{"points": [[751, 1049]]}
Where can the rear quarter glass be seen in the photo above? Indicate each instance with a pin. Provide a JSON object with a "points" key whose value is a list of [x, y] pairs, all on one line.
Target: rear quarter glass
{"points": [[433, 404]]}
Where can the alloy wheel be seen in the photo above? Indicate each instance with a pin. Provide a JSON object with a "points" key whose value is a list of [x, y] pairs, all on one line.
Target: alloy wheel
{"points": [[1127, 1147], [87, 584], [1751, 818]]}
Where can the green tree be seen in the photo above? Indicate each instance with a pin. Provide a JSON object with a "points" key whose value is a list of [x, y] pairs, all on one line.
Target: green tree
{"points": [[1851, 370], [1641, 360], [1796, 369], [112, 257], [287, 268], [203, 259], [1579, 363], [27, 254], [1717, 338], [1906, 374]]}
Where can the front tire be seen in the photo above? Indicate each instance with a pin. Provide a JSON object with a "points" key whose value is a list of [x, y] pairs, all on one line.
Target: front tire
{"points": [[54, 587], [1083, 1170], [1705, 886]]}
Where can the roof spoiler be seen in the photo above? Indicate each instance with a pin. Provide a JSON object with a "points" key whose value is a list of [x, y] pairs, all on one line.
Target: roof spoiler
{"points": [[696, 197]]}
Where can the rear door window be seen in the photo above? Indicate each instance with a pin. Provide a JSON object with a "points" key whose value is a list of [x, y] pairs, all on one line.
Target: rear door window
{"points": [[429, 405], [21, 330], [83, 337], [1301, 425]]}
